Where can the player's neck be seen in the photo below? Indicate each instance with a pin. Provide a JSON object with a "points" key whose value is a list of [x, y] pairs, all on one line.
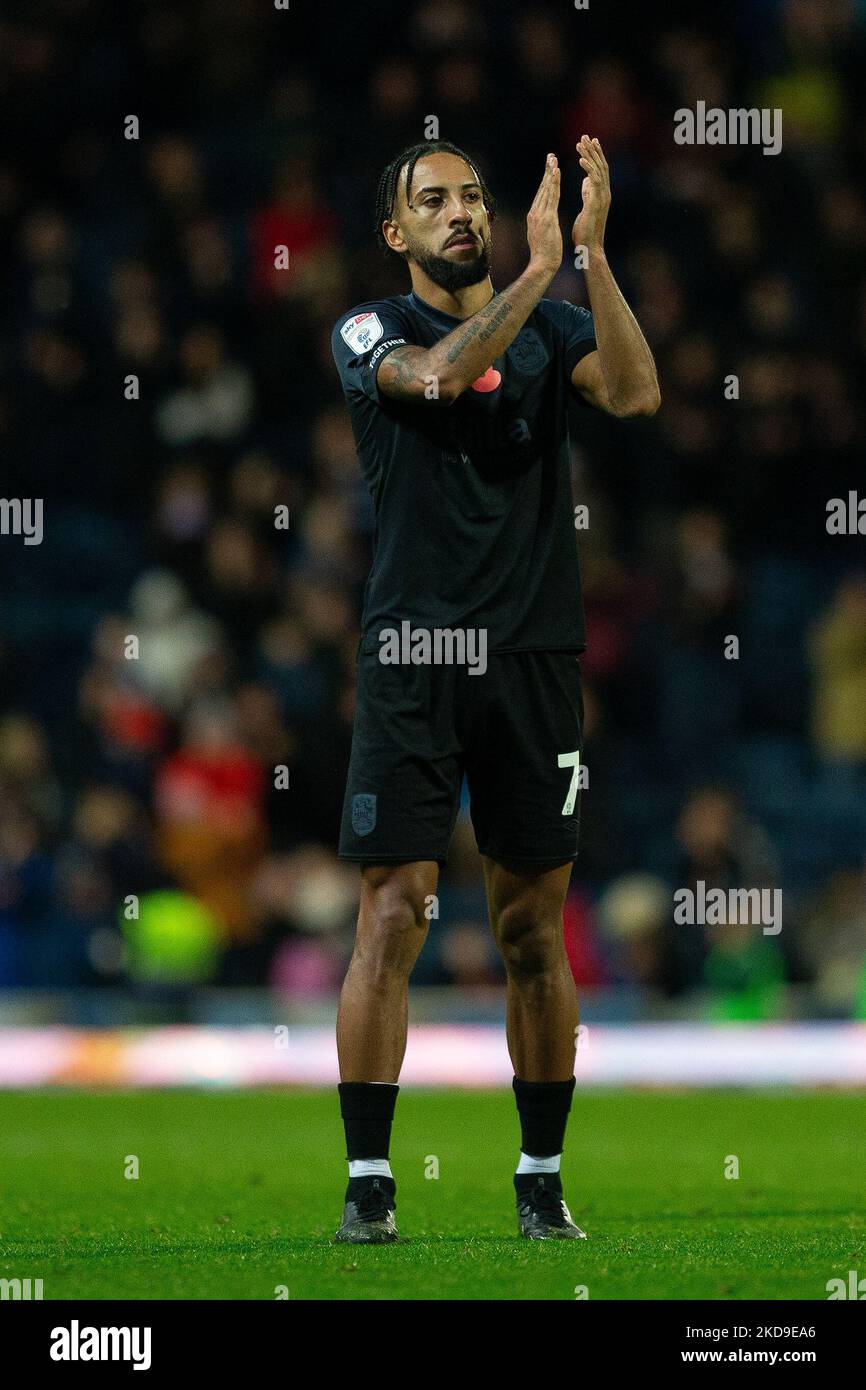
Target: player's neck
{"points": [[460, 304]]}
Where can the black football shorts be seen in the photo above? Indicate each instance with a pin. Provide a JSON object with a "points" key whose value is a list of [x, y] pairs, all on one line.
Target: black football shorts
{"points": [[516, 733]]}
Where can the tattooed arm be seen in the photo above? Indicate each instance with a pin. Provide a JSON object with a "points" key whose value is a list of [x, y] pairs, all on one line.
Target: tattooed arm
{"points": [[443, 372]]}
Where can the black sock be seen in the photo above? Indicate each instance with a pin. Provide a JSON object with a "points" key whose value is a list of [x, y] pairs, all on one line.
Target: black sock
{"points": [[543, 1107], [367, 1108]]}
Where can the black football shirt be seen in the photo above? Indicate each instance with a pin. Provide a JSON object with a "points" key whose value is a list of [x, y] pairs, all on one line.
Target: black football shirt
{"points": [[473, 505]]}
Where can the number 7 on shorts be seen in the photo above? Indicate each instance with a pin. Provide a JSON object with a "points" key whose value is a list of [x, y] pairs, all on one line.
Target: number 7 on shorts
{"points": [[571, 760]]}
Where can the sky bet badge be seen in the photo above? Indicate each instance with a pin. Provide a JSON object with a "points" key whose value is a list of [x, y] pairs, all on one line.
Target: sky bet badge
{"points": [[362, 331]]}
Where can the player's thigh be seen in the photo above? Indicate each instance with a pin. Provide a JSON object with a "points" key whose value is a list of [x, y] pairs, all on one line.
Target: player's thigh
{"points": [[524, 764], [403, 784]]}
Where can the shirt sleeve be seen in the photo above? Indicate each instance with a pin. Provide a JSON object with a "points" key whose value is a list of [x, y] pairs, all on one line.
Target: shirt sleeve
{"points": [[578, 331], [362, 340]]}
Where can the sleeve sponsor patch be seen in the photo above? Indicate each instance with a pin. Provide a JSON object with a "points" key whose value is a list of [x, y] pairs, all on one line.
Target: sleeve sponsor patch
{"points": [[362, 331]]}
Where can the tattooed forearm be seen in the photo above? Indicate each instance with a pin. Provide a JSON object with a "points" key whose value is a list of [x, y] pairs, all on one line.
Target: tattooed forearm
{"points": [[483, 326], [499, 317], [403, 362], [405, 373], [465, 337], [466, 353]]}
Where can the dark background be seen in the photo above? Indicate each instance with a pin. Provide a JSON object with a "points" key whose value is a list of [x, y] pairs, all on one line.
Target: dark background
{"points": [[155, 777]]}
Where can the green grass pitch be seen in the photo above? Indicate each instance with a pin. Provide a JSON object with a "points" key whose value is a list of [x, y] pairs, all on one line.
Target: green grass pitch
{"points": [[239, 1193]]}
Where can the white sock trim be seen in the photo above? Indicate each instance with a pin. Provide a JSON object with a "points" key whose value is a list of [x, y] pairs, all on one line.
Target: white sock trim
{"points": [[369, 1168], [528, 1164]]}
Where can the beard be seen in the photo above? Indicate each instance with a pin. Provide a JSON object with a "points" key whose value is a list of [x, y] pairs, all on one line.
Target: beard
{"points": [[452, 275]]}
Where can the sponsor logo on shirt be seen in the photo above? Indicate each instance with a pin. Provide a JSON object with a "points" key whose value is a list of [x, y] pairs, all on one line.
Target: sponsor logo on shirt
{"points": [[362, 331]]}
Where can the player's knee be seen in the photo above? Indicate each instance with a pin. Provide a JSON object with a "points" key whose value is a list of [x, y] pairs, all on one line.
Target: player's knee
{"points": [[391, 930], [530, 938]]}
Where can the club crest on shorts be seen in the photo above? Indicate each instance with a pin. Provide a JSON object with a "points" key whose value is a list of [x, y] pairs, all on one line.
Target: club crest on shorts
{"points": [[363, 813], [362, 331]]}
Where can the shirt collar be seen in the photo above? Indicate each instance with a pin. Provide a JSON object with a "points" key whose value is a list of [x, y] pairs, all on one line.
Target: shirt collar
{"points": [[422, 307]]}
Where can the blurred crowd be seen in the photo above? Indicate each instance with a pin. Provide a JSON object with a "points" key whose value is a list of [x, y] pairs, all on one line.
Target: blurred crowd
{"points": [[169, 805]]}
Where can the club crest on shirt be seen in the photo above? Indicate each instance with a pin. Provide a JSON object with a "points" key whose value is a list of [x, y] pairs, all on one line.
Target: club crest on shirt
{"points": [[362, 331], [364, 813], [528, 352]]}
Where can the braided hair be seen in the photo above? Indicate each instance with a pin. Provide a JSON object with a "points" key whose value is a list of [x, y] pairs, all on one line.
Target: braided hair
{"points": [[387, 192]]}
